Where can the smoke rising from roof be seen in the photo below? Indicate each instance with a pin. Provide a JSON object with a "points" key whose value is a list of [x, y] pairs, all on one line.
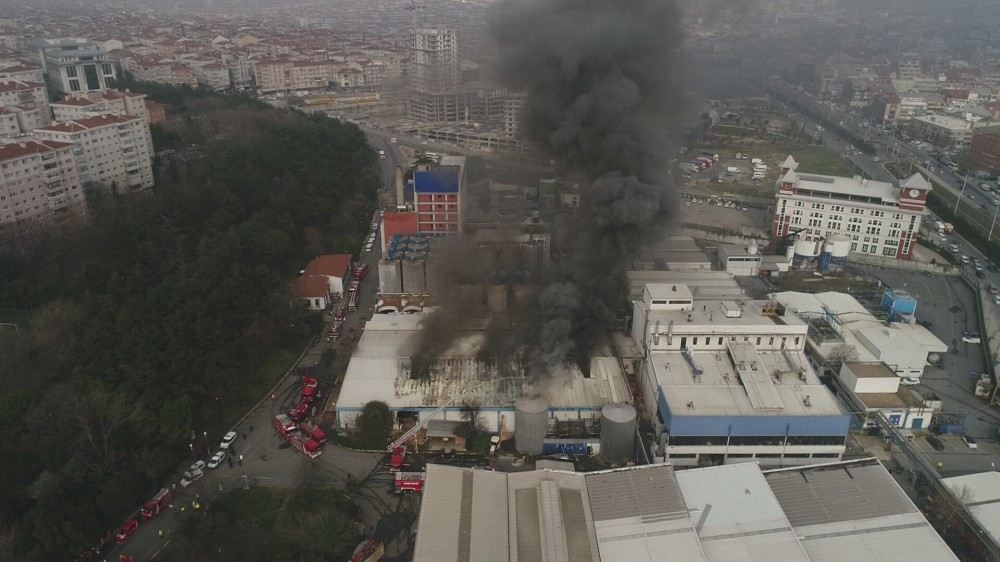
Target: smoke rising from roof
{"points": [[601, 90], [601, 86]]}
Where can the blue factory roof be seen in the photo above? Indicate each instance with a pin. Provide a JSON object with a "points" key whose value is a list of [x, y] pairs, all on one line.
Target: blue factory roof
{"points": [[441, 180]]}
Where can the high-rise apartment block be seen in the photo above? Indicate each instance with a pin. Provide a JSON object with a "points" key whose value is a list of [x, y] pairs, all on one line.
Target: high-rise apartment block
{"points": [[39, 182], [435, 72], [112, 150]]}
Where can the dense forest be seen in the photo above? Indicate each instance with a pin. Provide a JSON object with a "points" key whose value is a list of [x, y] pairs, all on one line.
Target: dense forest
{"points": [[168, 314], [309, 525]]}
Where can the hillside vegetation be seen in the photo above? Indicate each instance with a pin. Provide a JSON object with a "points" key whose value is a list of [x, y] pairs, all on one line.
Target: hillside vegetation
{"points": [[156, 322]]}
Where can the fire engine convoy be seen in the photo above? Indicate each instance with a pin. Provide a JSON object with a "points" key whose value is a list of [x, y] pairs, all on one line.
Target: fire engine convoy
{"points": [[304, 435], [353, 292]]}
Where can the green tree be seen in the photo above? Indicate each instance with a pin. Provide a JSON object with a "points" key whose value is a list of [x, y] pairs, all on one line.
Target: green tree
{"points": [[373, 425]]}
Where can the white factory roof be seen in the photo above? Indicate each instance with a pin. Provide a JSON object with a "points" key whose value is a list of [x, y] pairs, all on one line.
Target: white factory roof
{"points": [[712, 313], [856, 185], [861, 328], [703, 284], [854, 510], [980, 493], [766, 384], [738, 516], [844, 511], [377, 371]]}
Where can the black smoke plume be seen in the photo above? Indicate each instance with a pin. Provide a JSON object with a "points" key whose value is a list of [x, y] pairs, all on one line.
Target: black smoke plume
{"points": [[602, 88]]}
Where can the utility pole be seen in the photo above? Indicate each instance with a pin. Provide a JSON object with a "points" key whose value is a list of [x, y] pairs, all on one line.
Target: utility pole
{"points": [[960, 193], [994, 223]]}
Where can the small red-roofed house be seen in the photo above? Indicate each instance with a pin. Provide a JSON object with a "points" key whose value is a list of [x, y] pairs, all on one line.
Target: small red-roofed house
{"points": [[335, 268], [313, 289]]}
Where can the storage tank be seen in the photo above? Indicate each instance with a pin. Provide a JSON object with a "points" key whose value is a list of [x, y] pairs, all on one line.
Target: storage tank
{"points": [[805, 248], [840, 246], [805, 253], [617, 433], [531, 422], [389, 280]]}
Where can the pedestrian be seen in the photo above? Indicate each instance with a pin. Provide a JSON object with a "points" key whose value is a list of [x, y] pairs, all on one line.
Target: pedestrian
{"points": [[160, 532], [251, 428], [230, 460], [244, 436]]}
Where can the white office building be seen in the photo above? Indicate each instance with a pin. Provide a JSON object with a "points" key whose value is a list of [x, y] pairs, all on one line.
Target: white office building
{"points": [[39, 182], [74, 65], [113, 151], [879, 218]]}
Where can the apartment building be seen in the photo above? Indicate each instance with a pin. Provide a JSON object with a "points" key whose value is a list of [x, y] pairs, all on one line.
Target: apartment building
{"points": [[81, 106], [112, 150], [24, 107], [22, 93], [13, 69], [161, 71], [39, 183], [74, 65], [880, 218], [729, 381], [278, 74], [985, 148], [213, 75], [942, 130]]}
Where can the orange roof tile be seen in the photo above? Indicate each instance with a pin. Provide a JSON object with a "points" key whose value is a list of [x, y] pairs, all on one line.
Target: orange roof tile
{"points": [[310, 287], [331, 265]]}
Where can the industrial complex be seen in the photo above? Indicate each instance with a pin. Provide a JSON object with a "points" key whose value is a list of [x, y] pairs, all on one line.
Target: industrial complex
{"points": [[831, 512]]}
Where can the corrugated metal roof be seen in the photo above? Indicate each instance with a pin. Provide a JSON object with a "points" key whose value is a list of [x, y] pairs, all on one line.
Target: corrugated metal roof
{"points": [[650, 514], [841, 492], [855, 511]]}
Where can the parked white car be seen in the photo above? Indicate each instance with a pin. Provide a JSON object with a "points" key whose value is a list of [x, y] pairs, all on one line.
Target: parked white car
{"points": [[216, 459], [228, 439]]}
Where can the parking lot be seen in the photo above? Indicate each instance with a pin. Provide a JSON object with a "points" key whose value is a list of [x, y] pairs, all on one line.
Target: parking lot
{"points": [[712, 211], [947, 307]]}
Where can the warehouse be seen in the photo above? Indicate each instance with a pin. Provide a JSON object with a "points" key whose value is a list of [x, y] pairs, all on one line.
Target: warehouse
{"points": [[843, 511], [842, 328], [379, 370]]}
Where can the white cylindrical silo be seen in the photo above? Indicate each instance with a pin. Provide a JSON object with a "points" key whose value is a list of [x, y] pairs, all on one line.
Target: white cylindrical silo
{"points": [[617, 433], [531, 423]]}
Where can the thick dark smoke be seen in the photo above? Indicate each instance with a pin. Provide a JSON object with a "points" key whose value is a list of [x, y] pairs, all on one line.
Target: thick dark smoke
{"points": [[600, 84], [601, 92]]}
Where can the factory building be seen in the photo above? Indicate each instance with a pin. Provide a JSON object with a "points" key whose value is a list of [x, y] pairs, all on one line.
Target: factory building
{"points": [[381, 369], [829, 513], [727, 380], [437, 193], [878, 218], [874, 389], [842, 329]]}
